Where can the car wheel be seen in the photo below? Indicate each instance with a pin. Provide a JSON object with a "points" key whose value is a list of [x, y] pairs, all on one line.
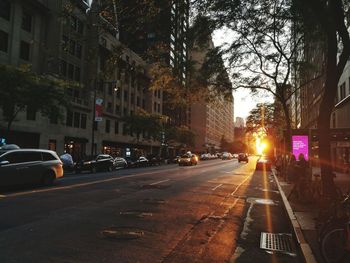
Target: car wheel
{"points": [[93, 170], [48, 178]]}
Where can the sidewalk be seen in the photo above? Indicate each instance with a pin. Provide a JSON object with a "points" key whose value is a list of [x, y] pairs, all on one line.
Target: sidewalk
{"points": [[303, 216]]}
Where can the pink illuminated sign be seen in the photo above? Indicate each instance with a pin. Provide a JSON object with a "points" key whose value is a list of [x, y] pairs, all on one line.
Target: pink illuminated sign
{"points": [[300, 144]]}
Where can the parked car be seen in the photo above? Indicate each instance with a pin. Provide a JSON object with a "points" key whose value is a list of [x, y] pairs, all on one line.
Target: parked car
{"points": [[154, 160], [226, 156], [263, 163], [102, 162], [188, 159], [25, 166], [137, 162], [243, 157], [120, 162], [8, 147]]}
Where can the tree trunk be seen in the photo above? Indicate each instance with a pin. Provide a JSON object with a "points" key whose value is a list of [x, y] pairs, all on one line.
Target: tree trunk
{"points": [[325, 111], [288, 127]]}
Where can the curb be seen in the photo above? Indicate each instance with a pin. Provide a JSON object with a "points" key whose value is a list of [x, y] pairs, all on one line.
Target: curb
{"points": [[304, 246]]}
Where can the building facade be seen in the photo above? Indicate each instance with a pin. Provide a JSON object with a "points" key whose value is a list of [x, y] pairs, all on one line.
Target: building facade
{"points": [[52, 42], [210, 121]]}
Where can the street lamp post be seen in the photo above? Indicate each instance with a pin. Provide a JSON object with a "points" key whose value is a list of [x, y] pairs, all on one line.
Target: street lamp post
{"points": [[94, 110]]}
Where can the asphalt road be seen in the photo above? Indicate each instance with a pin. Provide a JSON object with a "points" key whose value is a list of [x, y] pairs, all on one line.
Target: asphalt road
{"points": [[211, 212]]}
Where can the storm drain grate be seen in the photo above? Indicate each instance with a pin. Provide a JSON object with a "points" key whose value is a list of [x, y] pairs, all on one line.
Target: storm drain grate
{"points": [[279, 242]]}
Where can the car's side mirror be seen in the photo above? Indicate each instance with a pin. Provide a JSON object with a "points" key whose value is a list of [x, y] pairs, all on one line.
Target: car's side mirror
{"points": [[4, 163]]}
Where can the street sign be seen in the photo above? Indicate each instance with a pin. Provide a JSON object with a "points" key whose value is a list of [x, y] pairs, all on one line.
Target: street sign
{"points": [[98, 109]]}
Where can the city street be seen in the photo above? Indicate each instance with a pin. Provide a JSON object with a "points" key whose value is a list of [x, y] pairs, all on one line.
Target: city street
{"points": [[211, 212]]}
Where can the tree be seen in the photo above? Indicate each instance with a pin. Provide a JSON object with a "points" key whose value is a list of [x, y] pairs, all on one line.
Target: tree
{"points": [[267, 117], [331, 20], [260, 53], [21, 89]]}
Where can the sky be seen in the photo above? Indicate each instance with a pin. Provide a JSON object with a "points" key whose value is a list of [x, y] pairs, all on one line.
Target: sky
{"points": [[244, 102]]}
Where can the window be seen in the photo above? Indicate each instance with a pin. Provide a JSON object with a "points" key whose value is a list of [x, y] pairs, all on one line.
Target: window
{"points": [[70, 74], [342, 91], [77, 74], [143, 104], [108, 126], [24, 52], [117, 109], [79, 50], [76, 119], [110, 88], [53, 118], [65, 41], [4, 39], [48, 156], [109, 107], [5, 9], [26, 21], [83, 121], [22, 157], [125, 95], [132, 98], [73, 23], [116, 127], [69, 120], [80, 27], [71, 48], [63, 68], [155, 106], [95, 125], [31, 114]]}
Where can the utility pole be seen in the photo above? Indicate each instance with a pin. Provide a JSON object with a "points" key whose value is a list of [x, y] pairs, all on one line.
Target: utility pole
{"points": [[93, 119]]}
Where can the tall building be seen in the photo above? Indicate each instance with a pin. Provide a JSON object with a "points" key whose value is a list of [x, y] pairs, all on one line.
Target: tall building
{"points": [[210, 121], [239, 123], [56, 43], [163, 38]]}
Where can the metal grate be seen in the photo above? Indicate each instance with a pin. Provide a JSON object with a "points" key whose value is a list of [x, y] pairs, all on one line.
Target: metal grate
{"points": [[279, 242]]}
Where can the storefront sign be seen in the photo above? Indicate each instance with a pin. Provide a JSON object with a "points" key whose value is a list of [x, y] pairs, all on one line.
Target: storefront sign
{"points": [[300, 144], [98, 109]]}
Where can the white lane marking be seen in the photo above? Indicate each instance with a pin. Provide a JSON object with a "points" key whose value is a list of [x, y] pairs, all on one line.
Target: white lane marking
{"points": [[216, 187], [228, 172], [2, 196], [241, 184], [159, 182]]}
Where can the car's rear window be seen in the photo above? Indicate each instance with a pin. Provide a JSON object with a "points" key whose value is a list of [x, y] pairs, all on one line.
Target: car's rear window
{"points": [[48, 156]]}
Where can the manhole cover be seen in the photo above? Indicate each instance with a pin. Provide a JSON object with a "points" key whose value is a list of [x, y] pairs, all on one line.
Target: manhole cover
{"points": [[135, 213], [278, 242], [153, 201], [122, 233]]}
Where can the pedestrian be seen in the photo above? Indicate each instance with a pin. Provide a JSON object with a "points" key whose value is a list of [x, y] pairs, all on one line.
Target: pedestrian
{"points": [[291, 169], [302, 170]]}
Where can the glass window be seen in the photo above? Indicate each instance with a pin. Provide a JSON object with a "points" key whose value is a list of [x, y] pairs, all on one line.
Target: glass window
{"points": [[69, 120], [80, 27], [116, 127], [48, 156], [70, 71], [83, 121], [77, 74], [65, 41], [31, 114], [71, 47], [63, 68], [76, 119], [5, 9], [27, 21], [24, 52], [73, 23], [4, 40], [23, 157], [108, 126], [79, 51]]}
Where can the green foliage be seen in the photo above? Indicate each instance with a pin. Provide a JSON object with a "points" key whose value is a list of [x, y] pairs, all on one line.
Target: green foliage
{"points": [[21, 89], [267, 117]]}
